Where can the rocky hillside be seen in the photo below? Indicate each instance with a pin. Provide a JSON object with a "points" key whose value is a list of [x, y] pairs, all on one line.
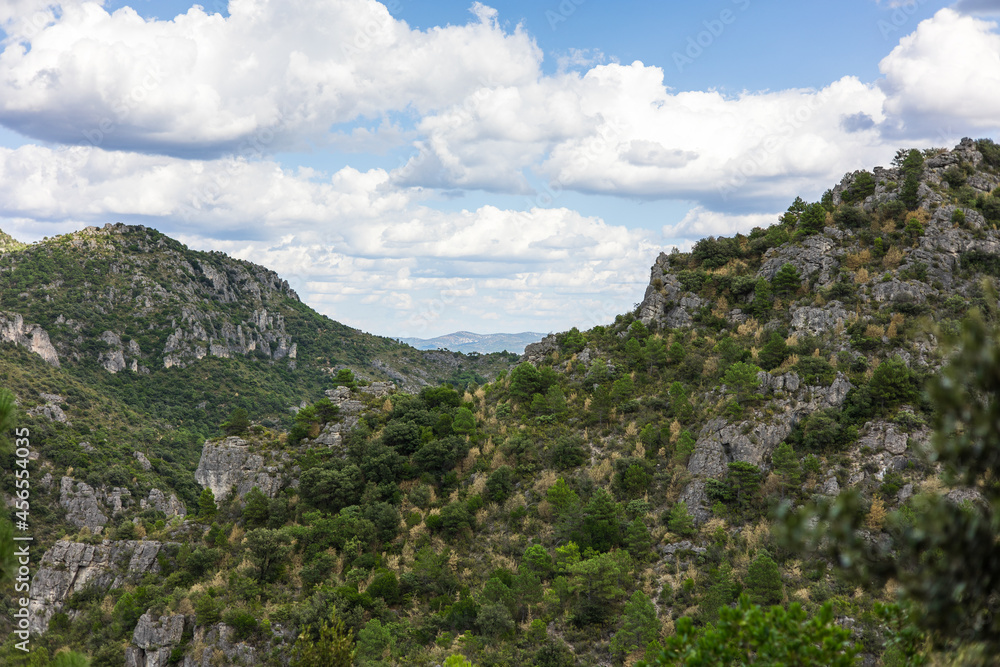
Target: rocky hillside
{"points": [[132, 310], [569, 512]]}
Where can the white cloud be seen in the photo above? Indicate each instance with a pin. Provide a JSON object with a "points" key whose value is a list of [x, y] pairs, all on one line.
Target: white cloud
{"points": [[373, 256], [946, 73], [203, 84], [618, 130], [700, 222]]}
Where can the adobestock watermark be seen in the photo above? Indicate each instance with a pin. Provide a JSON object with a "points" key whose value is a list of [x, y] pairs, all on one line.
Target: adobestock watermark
{"points": [[253, 147], [562, 12], [698, 43], [608, 136], [755, 160], [123, 108], [22, 550], [900, 16]]}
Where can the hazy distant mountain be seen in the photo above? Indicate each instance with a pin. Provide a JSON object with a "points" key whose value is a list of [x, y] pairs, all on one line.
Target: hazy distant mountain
{"points": [[466, 341]]}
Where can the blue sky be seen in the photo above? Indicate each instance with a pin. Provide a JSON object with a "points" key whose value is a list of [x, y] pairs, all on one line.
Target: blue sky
{"points": [[416, 168]]}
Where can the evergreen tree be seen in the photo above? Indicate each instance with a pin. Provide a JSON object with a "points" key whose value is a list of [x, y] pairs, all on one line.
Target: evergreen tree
{"points": [[238, 424], [763, 298], [638, 540], [600, 522], [892, 383], [656, 353], [206, 506], [786, 281], [639, 626], [465, 422], [774, 352], [813, 219], [329, 646], [741, 378], [255, 512], [574, 341], [763, 582], [912, 168], [681, 522], [749, 635], [345, 378], [786, 465]]}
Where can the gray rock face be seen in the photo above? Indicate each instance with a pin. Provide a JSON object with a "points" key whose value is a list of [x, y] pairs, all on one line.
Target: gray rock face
{"points": [[831, 487], [685, 545], [50, 411], [35, 338], [897, 291], [536, 352], [665, 300], [229, 463], [82, 507], [154, 639], [379, 389], [817, 254], [818, 320], [200, 334], [112, 361], [69, 567], [159, 501], [753, 441], [883, 436], [143, 461]]}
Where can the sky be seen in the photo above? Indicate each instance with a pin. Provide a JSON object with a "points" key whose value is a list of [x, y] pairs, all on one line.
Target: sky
{"points": [[414, 168]]}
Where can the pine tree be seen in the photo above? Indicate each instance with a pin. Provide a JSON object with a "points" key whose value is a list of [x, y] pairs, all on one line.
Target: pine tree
{"points": [[330, 646], [763, 582], [639, 627], [638, 540], [787, 280], [786, 465], [206, 506], [681, 522]]}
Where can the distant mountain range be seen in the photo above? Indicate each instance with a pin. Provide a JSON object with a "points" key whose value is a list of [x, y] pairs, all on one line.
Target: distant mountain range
{"points": [[466, 341]]}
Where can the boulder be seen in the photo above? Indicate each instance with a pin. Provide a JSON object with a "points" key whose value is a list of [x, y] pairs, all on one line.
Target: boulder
{"points": [[229, 464]]}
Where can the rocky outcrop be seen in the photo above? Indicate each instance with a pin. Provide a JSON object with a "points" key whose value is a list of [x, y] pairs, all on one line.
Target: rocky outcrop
{"points": [[665, 301], [815, 320], [69, 567], [818, 255], [200, 334], [753, 440], [898, 292], [87, 506], [155, 638], [143, 461], [229, 464], [32, 336], [883, 436], [535, 353], [51, 410], [82, 506], [161, 502], [350, 411]]}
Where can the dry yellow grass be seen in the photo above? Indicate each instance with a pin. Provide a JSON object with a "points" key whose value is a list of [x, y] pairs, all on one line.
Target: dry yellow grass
{"points": [[861, 276], [894, 324]]}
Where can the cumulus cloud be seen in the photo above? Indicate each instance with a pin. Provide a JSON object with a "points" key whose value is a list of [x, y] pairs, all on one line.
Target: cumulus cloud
{"points": [[374, 256], [617, 129], [202, 84], [700, 222], [946, 73]]}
